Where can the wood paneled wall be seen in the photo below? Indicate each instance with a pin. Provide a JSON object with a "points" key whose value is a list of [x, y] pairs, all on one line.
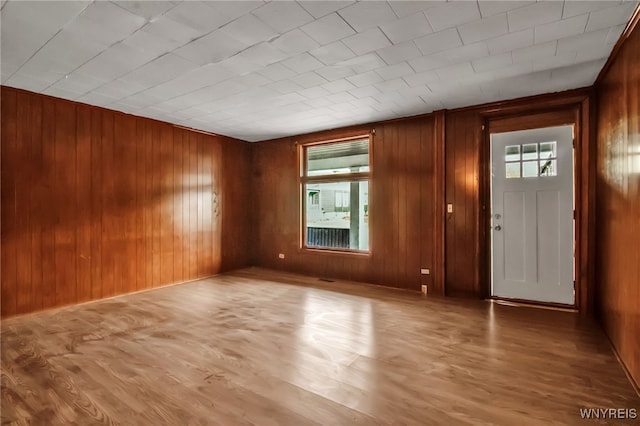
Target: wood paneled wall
{"points": [[97, 203], [463, 141], [405, 199], [618, 202]]}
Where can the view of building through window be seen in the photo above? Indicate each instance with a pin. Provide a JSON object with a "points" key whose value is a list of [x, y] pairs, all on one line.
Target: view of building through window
{"points": [[336, 195]]}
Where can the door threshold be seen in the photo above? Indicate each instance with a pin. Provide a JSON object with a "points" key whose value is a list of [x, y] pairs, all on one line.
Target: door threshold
{"points": [[532, 304]]}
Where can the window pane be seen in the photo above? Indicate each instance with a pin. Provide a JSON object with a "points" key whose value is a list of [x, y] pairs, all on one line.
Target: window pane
{"points": [[340, 219], [512, 170], [529, 169], [530, 152], [338, 158], [512, 153], [548, 168], [548, 150]]}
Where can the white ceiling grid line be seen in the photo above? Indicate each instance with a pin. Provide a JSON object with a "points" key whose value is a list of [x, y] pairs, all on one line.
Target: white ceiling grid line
{"points": [[258, 70]]}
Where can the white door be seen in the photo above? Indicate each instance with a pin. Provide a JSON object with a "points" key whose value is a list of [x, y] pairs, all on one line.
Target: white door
{"points": [[532, 233]]}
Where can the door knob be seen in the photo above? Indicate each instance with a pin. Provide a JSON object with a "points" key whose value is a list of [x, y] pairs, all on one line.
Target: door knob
{"points": [[497, 227]]}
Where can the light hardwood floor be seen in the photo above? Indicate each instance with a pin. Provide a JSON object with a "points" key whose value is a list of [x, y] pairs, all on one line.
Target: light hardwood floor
{"points": [[265, 348]]}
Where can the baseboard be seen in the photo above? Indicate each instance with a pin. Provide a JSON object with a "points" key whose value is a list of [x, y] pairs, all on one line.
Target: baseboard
{"points": [[86, 302]]}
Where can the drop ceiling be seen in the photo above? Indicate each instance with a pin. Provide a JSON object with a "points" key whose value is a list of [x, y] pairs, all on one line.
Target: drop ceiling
{"points": [[259, 70]]}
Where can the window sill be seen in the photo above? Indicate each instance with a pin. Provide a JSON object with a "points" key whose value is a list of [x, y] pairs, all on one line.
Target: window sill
{"points": [[335, 251]]}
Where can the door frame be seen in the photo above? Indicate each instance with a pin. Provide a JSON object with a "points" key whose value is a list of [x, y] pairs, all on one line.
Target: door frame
{"points": [[547, 111]]}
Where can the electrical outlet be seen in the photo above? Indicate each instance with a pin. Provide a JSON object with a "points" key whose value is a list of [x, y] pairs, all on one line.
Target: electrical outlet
{"points": [[424, 289], [280, 255], [449, 208], [425, 271]]}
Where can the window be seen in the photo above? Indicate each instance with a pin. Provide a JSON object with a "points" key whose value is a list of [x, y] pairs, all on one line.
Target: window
{"points": [[335, 183], [531, 160]]}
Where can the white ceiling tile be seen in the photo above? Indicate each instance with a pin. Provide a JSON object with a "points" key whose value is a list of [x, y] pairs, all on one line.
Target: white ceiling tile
{"points": [[192, 80], [594, 39], [314, 92], [561, 29], [458, 71], [591, 53], [27, 26], [62, 93], [160, 70], [399, 52], [404, 8], [489, 63], [391, 85], [148, 9], [308, 79], [302, 63], [486, 28], [614, 34], [574, 8], [338, 86], [153, 44], [106, 23], [420, 79], [96, 99], [439, 41], [367, 14], [365, 79], [368, 62], [288, 99], [211, 48], [367, 41], [320, 8], [277, 72], [450, 57], [210, 15], [27, 82], [534, 53], [295, 42], [253, 81], [552, 62], [162, 34], [119, 89], [510, 41], [536, 14], [610, 16], [283, 15], [394, 71], [408, 28], [341, 97], [334, 72], [333, 53], [328, 29], [318, 103], [263, 54], [79, 83], [284, 86], [224, 89], [447, 87], [249, 30], [345, 107], [241, 65], [451, 14], [116, 61], [492, 7], [60, 56], [584, 74], [364, 92]]}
